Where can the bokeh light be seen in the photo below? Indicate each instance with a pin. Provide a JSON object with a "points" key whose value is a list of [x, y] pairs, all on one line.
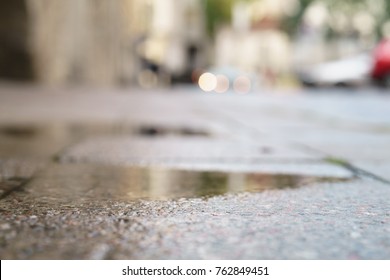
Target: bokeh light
{"points": [[207, 82], [242, 84], [222, 84]]}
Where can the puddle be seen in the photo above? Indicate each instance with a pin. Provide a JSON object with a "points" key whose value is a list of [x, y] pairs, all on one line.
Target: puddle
{"points": [[75, 182], [85, 181], [47, 140]]}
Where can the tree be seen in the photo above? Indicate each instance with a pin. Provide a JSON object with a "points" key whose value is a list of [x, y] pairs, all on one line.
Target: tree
{"points": [[381, 14], [217, 12]]}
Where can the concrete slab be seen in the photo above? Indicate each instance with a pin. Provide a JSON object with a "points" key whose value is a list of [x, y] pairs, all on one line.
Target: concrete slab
{"points": [[133, 149], [321, 221], [349, 145]]}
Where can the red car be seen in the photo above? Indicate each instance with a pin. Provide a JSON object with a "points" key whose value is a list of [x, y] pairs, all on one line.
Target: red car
{"points": [[381, 67]]}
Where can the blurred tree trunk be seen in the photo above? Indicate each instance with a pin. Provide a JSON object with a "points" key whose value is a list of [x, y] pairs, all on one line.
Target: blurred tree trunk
{"points": [[80, 41]]}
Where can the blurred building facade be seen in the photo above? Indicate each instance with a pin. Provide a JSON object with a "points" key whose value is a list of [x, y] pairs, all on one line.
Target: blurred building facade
{"points": [[101, 42], [80, 41], [260, 45], [153, 43]]}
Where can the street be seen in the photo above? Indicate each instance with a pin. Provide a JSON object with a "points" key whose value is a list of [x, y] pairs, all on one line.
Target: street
{"points": [[182, 174]]}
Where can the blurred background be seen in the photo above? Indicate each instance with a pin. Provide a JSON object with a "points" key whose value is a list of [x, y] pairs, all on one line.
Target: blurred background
{"points": [[214, 44]]}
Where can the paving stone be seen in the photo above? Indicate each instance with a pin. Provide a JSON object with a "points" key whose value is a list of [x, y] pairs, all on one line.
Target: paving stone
{"points": [[324, 221], [132, 150], [348, 145]]}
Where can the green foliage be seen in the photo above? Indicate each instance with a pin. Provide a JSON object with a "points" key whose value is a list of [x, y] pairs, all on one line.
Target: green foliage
{"points": [[217, 12], [348, 7], [220, 12], [291, 24]]}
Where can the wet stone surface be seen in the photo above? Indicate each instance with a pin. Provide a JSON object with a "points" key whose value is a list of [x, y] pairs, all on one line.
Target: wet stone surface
{"points": [[304, 223], [177, 176], [44, 140], [122, 150]]}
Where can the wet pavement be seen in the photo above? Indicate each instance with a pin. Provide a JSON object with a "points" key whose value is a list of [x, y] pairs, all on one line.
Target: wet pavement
{"points": [[99, 174]]}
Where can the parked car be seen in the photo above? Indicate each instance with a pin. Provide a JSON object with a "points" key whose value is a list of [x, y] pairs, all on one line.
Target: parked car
{"points": [[353, 70], [381, 64]]}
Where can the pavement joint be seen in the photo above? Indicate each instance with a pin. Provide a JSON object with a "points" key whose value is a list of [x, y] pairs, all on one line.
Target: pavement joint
{"points": [[364, 173], [11, 185]]}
